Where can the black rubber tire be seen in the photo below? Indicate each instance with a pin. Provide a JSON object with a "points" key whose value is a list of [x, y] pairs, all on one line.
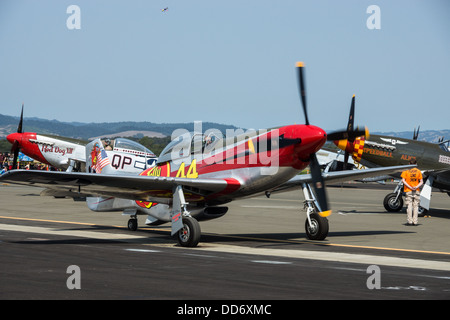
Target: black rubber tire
{"points": [[319, 231], [189, 235], [393, 206], [132, 224]]}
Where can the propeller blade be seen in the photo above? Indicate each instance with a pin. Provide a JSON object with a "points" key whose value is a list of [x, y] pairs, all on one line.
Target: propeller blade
{"points": [[416, 134], [346, 156], [15, 149], [16, 145], [350, 124], [300, 66], [351, 117], [341, 135], [316, 173], [19, 128], [319, 186]]}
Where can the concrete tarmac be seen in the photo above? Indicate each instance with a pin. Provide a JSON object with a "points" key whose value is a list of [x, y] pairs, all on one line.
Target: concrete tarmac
{"points": [[258, 250]]}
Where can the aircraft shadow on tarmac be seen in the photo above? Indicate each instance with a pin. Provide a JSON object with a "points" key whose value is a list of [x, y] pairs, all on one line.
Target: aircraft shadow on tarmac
{"points": [[162, 237], [294, 238], [77, 241], [438, 213], [93, 228]]}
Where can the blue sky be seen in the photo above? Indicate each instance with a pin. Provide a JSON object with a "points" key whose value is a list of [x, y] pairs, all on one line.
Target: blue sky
{"points": [[230, 62]]}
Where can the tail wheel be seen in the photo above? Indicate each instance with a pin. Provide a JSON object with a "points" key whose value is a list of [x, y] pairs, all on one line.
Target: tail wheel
{"points": [[132, 224], [392, 205], [189, 235], [318, 230]]}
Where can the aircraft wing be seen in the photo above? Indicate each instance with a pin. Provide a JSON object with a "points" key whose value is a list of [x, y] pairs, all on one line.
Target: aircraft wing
{"points": [[144, 188], [340, 176], [160, 189]]}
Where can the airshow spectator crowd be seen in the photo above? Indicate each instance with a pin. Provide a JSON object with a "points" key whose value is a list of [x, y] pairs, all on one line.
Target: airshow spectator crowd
{"points": [[6, 163]]}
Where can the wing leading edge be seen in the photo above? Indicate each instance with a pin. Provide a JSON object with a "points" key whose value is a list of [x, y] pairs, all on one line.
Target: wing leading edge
{"points": [[142, 188], [341, 176]]}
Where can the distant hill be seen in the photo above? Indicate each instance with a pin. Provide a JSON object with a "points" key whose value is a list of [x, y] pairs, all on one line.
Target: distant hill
{"points": [[428, 135], [86, 131]]}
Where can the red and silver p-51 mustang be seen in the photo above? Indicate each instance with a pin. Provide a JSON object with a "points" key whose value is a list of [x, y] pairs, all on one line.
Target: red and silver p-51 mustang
{"points": [[198, 173]]}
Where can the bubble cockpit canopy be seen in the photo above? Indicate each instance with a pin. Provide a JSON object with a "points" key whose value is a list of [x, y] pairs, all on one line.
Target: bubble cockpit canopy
{"points": [[127, 146], [188, 143]]}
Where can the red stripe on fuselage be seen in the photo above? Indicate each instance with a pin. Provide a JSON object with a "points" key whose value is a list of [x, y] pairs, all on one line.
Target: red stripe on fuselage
{"points": [[232, 186], [289, 146]]}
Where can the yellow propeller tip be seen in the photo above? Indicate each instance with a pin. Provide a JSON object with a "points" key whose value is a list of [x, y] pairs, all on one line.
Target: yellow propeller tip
{"points": [[367, 133], [299, 64], [353, 96], [325, 214]]}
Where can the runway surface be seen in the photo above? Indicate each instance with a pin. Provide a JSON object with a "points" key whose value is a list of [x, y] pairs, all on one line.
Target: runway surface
{"points": [[258, 250]]}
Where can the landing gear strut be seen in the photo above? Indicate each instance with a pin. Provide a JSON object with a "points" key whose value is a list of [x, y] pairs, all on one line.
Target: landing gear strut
{"points": [[184, 225], [316, 227]]}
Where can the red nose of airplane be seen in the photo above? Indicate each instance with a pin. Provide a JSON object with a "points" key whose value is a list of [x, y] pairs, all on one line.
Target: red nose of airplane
{"points": [[313, 138], [14, 137], [303, 140]]}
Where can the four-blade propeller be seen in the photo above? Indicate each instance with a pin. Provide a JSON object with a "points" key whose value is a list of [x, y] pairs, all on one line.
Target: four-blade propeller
{"points": [[349, 133]]}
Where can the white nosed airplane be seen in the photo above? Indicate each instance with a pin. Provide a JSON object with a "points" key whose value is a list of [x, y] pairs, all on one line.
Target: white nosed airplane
{"points": [[70, 154]]}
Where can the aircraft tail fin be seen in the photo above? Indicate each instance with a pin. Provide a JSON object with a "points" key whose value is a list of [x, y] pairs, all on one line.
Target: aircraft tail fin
{"points": [[97, 160]]}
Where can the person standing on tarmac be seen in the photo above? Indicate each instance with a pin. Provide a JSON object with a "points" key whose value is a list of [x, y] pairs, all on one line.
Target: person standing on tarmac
{"points": [[412, 181]]}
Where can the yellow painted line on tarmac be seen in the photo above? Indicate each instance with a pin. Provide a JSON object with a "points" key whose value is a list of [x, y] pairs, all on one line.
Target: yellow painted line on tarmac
{"points": [[71, 222], [72, 233], [247, 238], [43, 220], [330, 244], [383, 248]]}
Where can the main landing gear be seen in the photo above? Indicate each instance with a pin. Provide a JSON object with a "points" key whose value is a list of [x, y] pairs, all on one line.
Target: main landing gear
{"points": [[393, 202], [185, 227], [189, 235], [316, 227]]}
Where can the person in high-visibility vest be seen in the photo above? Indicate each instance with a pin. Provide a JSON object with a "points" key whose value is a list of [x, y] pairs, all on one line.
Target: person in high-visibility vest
{"points": [[412, 181]]}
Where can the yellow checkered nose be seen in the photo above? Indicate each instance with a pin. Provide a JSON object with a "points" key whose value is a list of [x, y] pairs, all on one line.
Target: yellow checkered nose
{"points": [[358, 149], [355, 148]]}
